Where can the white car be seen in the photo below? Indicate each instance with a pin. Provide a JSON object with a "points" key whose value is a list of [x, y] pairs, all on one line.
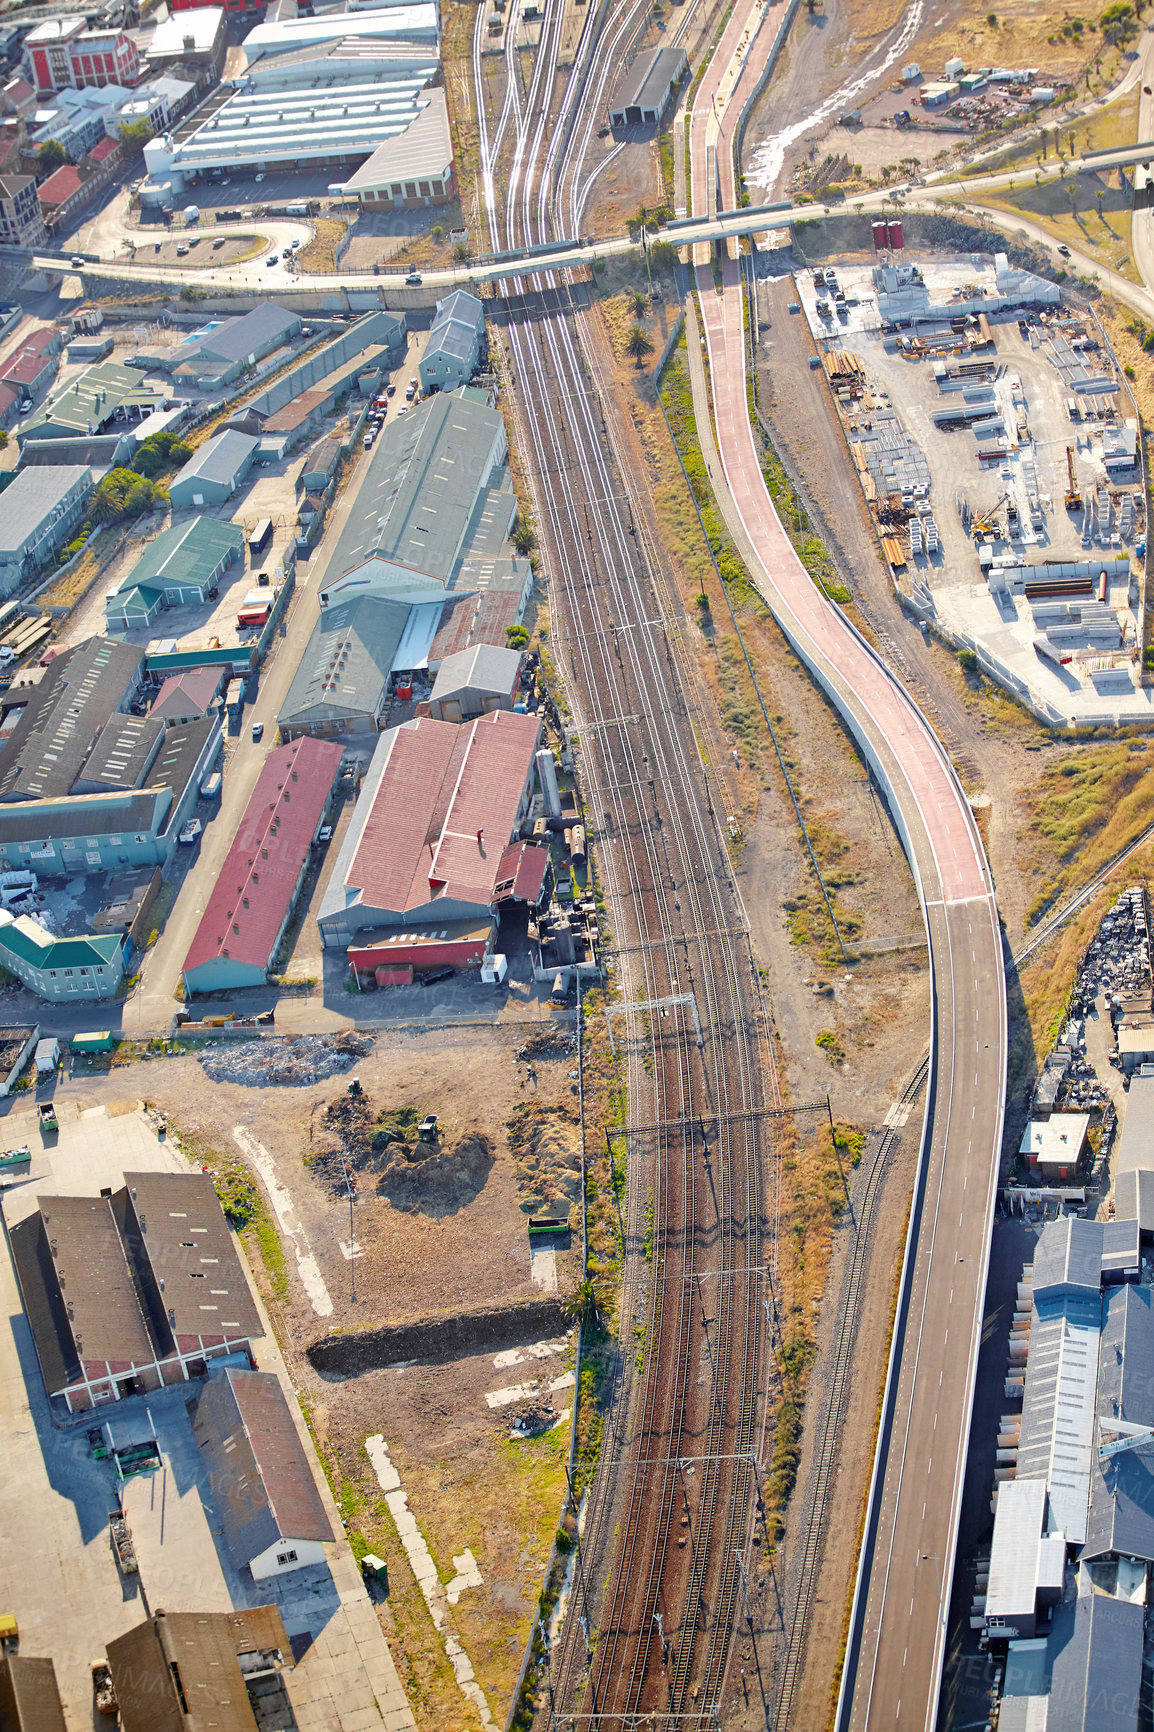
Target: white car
{"points": [[190, 832]]}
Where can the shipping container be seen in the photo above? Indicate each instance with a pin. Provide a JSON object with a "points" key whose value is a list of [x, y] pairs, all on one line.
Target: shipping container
{"points": [[260, 537]]}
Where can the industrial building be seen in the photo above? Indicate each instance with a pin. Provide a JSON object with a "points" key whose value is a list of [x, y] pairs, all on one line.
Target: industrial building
{"points": [[1054, 1146], [180, 568], [60, 970], [86, 786], [413, 169], [271, 1514], [41, 509], [342, 682], [434, 478], [129, 1292], [157, 102], [254, 896], [104, 397], [222, 350], [648, 87], [475, 681], [197, 40], [453, 350], [318, 92], [187, 696], [214, 472], [439, 807], [181, 1671], [1074, 1520], [66, 51], [29, 1695]]}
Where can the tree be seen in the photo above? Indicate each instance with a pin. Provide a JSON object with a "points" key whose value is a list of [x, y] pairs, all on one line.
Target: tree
{"points": [[51, 155], [461, 253], [125, 494], [663, 256], [135, 134], [639, 345], [524, 537], [1118, 22], [516, 637], [638, 303]]}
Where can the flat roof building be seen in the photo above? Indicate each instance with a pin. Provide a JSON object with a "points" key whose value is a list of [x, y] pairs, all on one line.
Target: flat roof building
{"points": [[255, 892], [221, 352], [439, 806], [41, 509], [1054, 1146], [133, 1291], [214, 472], [178, 569], [29, 1695], [270, 1511], [647, 87]]}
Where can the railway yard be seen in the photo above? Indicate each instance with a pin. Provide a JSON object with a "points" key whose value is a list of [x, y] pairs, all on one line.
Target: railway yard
{"points": [[659, 974]]}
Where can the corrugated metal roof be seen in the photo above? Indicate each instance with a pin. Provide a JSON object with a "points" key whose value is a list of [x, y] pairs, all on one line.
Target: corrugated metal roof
{"points": [[482, 668], [345, 668], [1122, 1488], [191, 1253], [31, 499], [1068, 1258], [425, 148], [1134, 1197], [261, 1481], [1019, 1521], [1058, 1411], [219, 459], [1096, 1666], [83, 688], [1136, 1144], [649, 80], [186, 553], [29, 1695], [121, 755], [236, 339], [431, 788], [259, 877]]}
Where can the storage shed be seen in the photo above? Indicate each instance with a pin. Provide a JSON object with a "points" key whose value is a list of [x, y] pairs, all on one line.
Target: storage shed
{"points": [[648, 85], [454, 345], [266, 1498], [475, 681], [214, 473]]}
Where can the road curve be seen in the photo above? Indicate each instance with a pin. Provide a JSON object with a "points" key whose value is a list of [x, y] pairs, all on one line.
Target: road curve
{"points": [[897, 1637]]}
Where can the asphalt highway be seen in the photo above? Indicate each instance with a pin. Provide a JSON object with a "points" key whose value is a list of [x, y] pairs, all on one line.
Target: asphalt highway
{"points": [[897, 1636]]}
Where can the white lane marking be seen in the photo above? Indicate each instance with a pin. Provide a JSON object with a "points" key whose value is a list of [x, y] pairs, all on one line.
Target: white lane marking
{"points": [[284, 1209]]}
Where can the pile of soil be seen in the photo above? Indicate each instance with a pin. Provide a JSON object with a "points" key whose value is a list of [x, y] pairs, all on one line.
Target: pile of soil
{"points": [[550, 1043], [348, 1119], [295, 1060], [545, 1142], [432, 1177]]}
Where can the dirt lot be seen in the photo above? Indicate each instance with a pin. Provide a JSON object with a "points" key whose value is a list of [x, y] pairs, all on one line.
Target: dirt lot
{"points": [[440, 1231]]}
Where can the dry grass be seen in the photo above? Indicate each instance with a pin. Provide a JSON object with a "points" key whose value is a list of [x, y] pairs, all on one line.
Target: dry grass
{"points": [[1087, 806], [1021, 37], [319, 257]]}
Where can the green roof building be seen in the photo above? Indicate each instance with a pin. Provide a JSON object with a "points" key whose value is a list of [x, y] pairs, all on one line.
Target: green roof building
{"points": [[178, 569], [107, 397], [60, 969]]}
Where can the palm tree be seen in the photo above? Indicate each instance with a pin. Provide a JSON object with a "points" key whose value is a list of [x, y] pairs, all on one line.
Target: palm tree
{"points": [[639, 345], [638, 303]]}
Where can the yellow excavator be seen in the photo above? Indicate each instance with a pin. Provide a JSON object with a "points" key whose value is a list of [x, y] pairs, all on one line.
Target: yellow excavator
{"points": [[986, 522], [1073, 497]]}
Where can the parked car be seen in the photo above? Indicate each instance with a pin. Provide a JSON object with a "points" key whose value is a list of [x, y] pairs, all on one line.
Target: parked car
{"points": [[25, 405], [272, 259], [257, 733], [218, 243], [189, 832], [182, 252], [390, 390], [258, 177], [1065, 251], [296, 243], [368, 440], [325, 833]]}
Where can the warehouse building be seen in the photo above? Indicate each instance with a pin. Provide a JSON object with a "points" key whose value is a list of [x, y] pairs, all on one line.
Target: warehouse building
{"points": [[61, 970], [648, 87], [105, 396], [342, 682], [61, 717], [183, 1671], [378, 337], [223, 350], [180, 568], [413, 169], [319, 92], [475, 681], [255, 894], [270, 1511], [214, 472], [187, 696], [439, 807], [453, 350], [1073, 1534], [129, 1292], [29, 1695], [41, 509], [197, 40], [433, 481]]}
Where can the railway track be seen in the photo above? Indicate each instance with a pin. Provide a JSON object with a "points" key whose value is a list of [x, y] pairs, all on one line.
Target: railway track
{"points": [[809, 1524], [673, 1494]]}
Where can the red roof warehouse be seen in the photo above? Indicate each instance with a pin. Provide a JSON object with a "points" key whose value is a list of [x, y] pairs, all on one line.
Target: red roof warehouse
{"points": [[258, 883]]}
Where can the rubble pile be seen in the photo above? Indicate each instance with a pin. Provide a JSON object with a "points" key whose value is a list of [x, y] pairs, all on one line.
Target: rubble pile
{"points": [[1117, 960], [349, 1120], [550, 1043], [535, 1418], [286, 1060]]}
